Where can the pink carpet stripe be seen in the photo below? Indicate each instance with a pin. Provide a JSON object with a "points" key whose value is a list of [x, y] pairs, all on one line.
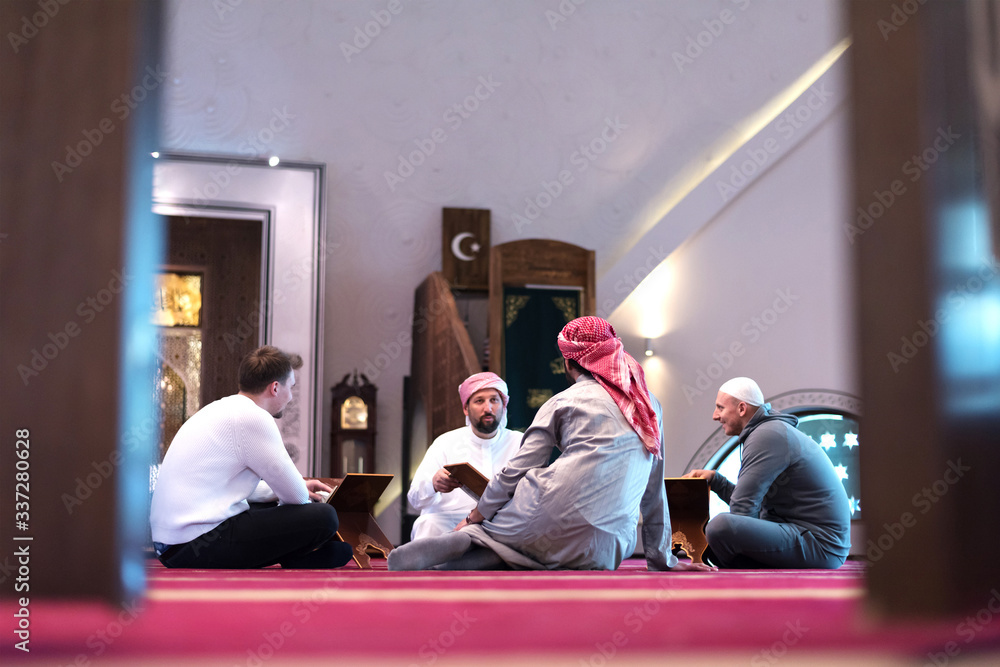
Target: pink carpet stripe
{"points": [[421, 617]]}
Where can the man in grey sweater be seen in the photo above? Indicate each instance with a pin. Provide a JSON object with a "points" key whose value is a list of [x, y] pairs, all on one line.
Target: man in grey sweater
{"points": [[788, 508]]}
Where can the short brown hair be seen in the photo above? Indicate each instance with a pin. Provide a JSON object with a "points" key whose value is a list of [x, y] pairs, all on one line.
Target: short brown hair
{"points": [[265, 365]]}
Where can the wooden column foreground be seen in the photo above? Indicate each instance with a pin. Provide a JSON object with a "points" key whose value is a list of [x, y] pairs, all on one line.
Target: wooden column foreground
{"points": [[926, 281], [73, 76]]}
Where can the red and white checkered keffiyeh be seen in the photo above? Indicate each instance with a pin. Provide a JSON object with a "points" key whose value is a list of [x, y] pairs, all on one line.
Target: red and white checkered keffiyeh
{"points": [[593, 343]]}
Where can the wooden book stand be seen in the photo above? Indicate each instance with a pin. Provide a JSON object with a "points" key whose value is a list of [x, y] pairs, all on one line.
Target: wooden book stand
{"points": [[687, 500], [354, 498]]}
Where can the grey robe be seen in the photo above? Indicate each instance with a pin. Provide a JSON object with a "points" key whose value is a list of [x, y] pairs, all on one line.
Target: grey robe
{"points": [[581, 511]]}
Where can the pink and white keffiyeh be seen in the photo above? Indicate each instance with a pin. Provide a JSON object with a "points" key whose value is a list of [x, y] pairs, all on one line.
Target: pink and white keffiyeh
{"points": [[593, 343], [480, 381]]}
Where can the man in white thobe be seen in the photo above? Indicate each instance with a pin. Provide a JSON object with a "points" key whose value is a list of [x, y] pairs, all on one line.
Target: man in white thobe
{"points": [[484, 442]]}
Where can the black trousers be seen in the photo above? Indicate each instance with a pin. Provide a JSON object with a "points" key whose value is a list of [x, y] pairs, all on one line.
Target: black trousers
{"points": [[296, 536]]}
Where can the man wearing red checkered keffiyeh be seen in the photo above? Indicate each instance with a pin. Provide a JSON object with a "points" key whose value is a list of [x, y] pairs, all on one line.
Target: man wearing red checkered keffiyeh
{"points": [[580, 511], [593, 344]]}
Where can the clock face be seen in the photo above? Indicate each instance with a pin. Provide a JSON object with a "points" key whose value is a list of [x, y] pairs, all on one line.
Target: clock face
{"points": [[354, 414]]}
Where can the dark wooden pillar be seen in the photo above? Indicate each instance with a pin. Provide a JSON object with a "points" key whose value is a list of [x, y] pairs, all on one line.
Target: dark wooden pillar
{"points": [[928, 289], [78, 95]]}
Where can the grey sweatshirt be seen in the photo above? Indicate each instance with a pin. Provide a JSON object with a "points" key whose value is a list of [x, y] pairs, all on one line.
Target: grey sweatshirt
{"points": [[786, 477]]}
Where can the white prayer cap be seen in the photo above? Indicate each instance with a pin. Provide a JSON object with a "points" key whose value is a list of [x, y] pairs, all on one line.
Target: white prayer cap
{"points": [[743, 389]]}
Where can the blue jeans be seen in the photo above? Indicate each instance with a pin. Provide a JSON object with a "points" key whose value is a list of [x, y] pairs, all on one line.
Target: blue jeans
{"points": [[739, 541]]}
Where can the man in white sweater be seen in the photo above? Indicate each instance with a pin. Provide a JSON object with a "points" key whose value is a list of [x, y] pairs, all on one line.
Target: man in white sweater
{"points": [[484, 442], [228, 455]]}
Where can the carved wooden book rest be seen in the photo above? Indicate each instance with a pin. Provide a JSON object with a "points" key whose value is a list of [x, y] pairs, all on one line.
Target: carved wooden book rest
{"points": [[354, 498], [687, 499]]}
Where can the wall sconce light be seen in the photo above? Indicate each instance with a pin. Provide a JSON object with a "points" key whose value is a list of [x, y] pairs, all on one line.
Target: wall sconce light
{"points": [[649, 347]]}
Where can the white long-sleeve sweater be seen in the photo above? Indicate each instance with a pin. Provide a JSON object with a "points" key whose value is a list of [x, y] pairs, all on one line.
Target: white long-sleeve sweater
{"points": [[226, 454]]}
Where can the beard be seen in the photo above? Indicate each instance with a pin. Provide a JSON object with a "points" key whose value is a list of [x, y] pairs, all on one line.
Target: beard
{"points": [[484, 426]]}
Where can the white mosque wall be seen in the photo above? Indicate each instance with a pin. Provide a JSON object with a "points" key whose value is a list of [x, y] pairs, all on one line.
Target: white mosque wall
{"points": [[588, 111]]}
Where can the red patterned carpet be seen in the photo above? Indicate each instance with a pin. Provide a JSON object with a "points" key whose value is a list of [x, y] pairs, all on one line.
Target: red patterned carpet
{"points": [[351, 616]]}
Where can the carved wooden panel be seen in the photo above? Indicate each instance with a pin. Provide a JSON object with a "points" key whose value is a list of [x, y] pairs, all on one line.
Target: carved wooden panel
{"points": [[443, 356]]}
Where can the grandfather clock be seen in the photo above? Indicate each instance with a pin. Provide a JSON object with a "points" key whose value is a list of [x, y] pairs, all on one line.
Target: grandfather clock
{"points": [[352, 440]]}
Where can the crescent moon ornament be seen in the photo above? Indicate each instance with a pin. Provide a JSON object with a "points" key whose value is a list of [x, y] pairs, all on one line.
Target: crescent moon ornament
{"points": [[456, 247]]}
